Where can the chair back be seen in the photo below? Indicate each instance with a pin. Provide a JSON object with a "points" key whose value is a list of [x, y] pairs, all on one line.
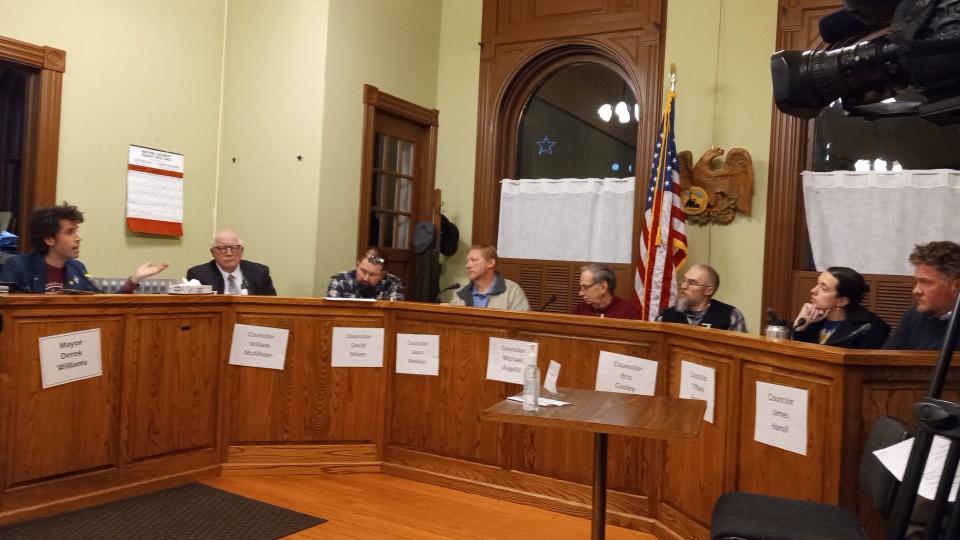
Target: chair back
{"points": [[874, 479]]}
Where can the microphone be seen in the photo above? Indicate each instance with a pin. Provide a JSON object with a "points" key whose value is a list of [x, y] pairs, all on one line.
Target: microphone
{"points": [[773, 319], [445, 289], [852, 336], [800, 322], [552, 299]]}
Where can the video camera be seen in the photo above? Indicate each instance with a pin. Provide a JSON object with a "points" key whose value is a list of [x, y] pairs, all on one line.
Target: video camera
{"points": [[921, 49]]}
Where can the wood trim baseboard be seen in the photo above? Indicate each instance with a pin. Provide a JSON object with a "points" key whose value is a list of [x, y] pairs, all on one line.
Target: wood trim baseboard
{"points": [[281, 459]]}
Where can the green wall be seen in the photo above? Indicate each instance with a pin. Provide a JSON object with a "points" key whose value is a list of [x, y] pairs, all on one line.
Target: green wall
{"points": [[390, 44], [272, 135], [145, 72], [458, 88], [724, 98]]}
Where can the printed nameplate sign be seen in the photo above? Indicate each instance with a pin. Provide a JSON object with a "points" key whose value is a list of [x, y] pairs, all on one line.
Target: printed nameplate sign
{"points": [[626, 374], [259, 346], [781, 417], [698, 382], [505, 359], [70, 357], [357, 347], [418, 354]]}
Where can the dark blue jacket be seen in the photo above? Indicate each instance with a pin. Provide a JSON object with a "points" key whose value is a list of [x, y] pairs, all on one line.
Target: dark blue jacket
{"points": [[28, 274], [918, 331]]}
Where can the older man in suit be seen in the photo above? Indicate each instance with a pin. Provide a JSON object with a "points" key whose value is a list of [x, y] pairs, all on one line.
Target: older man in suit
{"points": [[228, 273]]}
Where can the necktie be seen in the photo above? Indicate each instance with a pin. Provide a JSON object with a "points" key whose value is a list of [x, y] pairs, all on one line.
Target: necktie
{"points": [[232, 285]]}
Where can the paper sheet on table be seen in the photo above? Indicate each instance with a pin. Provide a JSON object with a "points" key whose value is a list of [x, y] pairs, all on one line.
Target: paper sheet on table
{"points": [[895, 457], [543, 402]]}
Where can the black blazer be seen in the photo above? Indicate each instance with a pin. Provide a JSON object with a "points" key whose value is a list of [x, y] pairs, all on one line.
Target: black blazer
{"points": [[857, 316], [256, 277]]}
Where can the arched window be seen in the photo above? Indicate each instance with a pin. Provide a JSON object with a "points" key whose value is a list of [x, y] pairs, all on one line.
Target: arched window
{"points": [[572, 112], [580, 123]]}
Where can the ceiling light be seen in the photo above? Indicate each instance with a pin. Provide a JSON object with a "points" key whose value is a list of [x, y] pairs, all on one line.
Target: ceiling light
{"points": [[606, 112]]}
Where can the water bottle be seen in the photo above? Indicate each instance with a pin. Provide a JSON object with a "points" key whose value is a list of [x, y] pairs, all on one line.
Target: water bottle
{"points": [[531, 384]]}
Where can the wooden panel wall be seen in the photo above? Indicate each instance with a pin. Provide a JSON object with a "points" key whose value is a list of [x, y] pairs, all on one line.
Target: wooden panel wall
{"points": [[168, 408], [150, 420]]}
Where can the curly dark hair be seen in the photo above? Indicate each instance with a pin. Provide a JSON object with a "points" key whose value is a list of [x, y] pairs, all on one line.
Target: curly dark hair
{"points": [[943, 255], [45, 223]]}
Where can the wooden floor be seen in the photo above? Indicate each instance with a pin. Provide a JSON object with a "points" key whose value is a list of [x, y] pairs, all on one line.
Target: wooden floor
{"points": [[382, 506]]}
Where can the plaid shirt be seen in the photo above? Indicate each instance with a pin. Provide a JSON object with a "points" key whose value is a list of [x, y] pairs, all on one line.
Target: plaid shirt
{"points": [[344, 285]]}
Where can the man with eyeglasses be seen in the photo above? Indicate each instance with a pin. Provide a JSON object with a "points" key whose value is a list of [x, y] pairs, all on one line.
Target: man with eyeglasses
{"points": [[367, 280], [696, 306], [597, 282], [228, 273]]}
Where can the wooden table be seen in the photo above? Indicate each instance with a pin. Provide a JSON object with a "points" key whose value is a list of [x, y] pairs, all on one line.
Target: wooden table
{"points": [[604, 413]]}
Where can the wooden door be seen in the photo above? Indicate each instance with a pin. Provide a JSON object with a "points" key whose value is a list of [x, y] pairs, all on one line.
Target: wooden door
{"points": [[397, 184]]}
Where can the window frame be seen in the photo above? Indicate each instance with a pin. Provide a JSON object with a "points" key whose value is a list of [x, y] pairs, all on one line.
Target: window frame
{"points": [[38, 176]]}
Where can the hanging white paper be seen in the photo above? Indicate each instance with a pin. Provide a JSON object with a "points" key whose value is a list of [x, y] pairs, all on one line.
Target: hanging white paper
{"points": [[626, 374], [357, 347], [895, 458], [70, 357], [259, 346], [698, 382], [155, 185], [505, 359], [781, 417], [418, 354]]}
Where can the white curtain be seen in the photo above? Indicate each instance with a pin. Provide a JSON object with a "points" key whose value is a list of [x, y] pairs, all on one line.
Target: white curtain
{"points": [[871, 220], [567, 219]]}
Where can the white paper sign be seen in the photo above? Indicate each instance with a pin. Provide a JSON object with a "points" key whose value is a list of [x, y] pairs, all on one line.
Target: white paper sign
{"points": [[505, 359], [418, 354], [259, 346], [626, 374], [698, 382], [895, 458], [357, 347], [70, 357], [550, 381], [781, 417]]}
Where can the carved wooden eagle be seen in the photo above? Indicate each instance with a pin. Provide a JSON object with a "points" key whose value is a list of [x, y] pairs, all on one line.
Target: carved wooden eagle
{"points": [[729, 188]]}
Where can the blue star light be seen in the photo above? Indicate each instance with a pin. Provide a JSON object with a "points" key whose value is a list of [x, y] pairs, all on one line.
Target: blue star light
{"points": [[546, 146]]}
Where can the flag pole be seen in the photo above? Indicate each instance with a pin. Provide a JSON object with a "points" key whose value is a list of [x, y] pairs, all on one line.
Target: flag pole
{"points": [[673, 77]]}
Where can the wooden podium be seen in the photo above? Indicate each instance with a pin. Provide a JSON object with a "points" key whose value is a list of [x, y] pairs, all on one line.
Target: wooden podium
{"points": [[604, 413], [168, 408]]}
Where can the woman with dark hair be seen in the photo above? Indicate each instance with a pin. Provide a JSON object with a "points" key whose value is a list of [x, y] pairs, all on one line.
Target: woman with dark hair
{"points": [[834, 315]]}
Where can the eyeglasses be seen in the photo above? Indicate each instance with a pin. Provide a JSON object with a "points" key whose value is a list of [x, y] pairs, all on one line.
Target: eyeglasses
{"points": [[373, 259], [227, 249], [584, 288], [692, 283]]}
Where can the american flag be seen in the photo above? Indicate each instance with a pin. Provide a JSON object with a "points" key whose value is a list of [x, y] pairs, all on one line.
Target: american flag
{"points": [[663, 246]]}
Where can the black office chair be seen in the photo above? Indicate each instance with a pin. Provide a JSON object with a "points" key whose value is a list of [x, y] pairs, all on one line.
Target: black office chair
{"points": [[749, 516]]}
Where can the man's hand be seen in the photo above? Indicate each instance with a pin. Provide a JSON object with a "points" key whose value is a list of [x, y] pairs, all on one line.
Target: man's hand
{"points": [[811, 314], [146, 270]]}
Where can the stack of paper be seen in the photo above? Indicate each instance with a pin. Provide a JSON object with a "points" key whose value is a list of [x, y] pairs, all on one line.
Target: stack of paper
{"points": [[543, 402]]}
